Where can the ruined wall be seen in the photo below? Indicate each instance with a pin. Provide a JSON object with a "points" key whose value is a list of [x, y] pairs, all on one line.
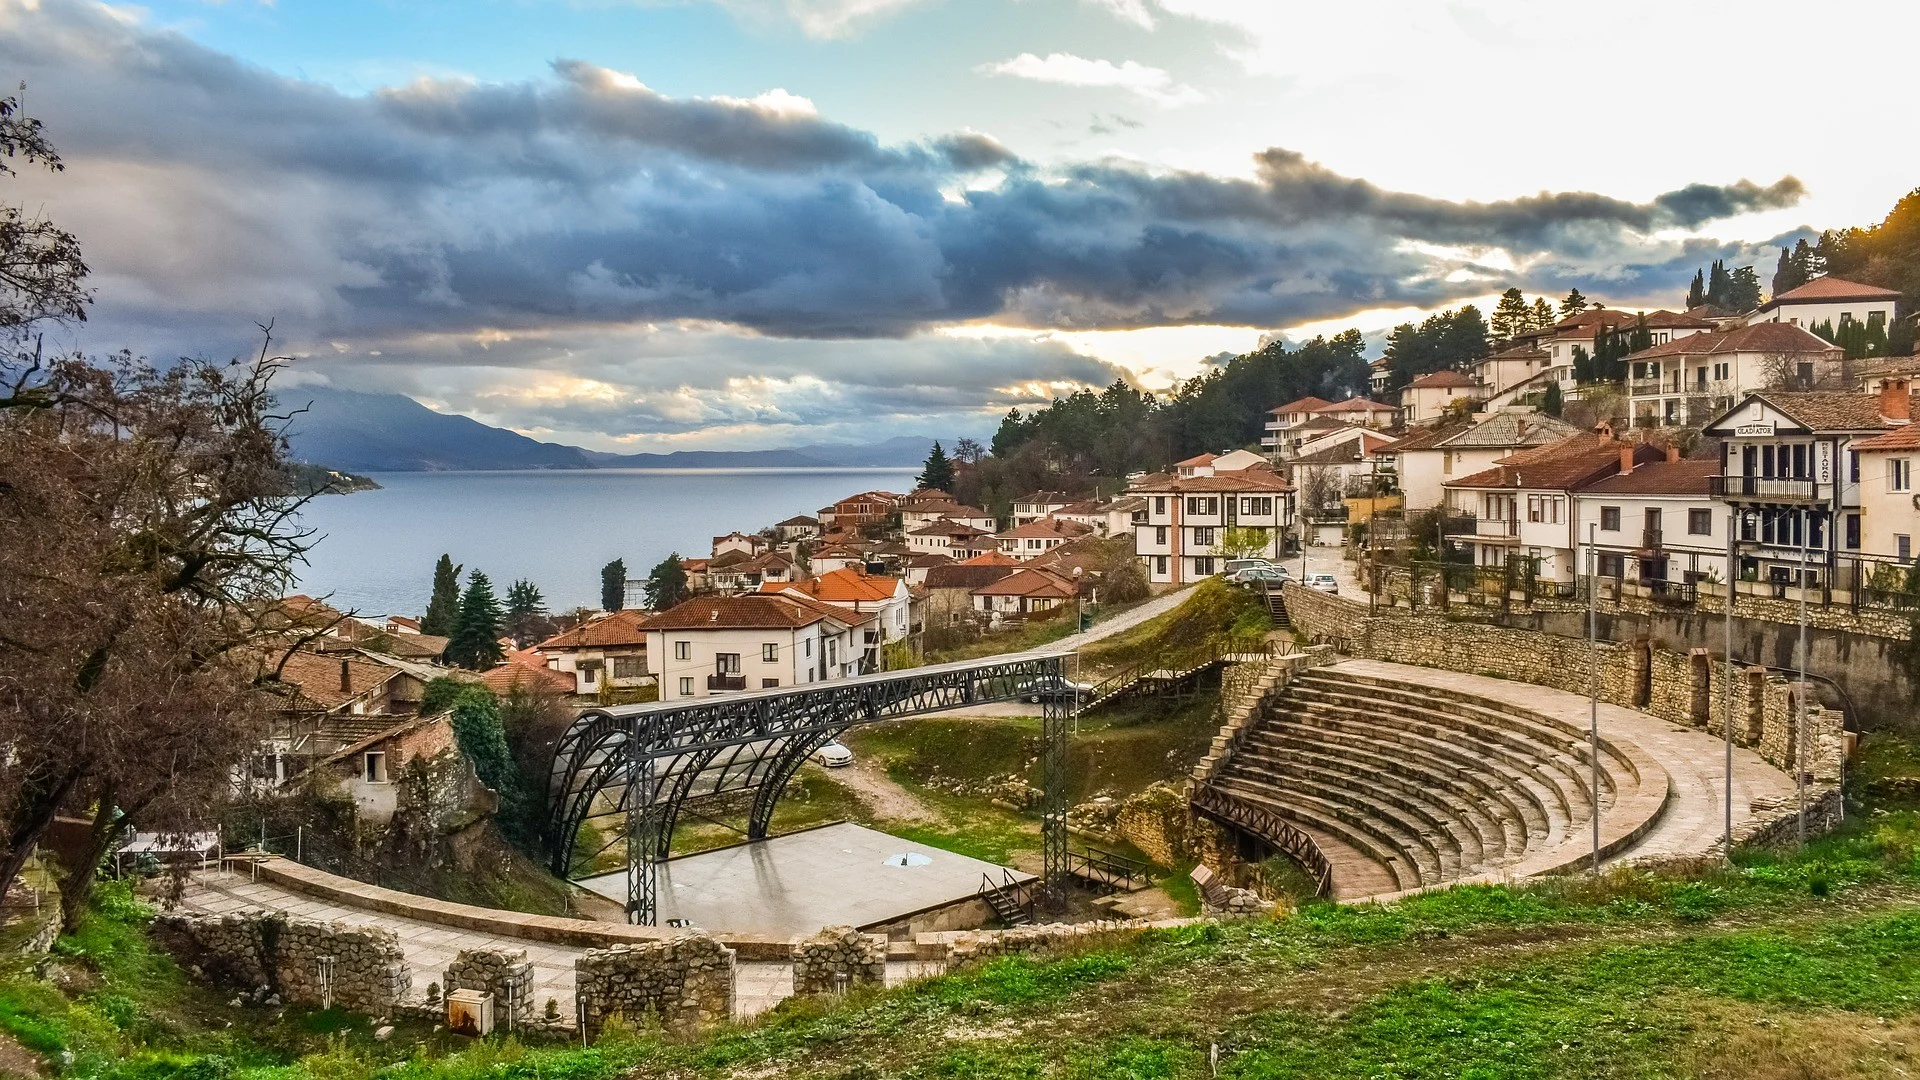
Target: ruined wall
{"points": [[269, 954], [506, 975], [839, 957], [682, 984]]}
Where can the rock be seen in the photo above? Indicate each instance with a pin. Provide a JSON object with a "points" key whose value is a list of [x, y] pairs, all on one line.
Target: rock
{"points": [[383, 1032]]}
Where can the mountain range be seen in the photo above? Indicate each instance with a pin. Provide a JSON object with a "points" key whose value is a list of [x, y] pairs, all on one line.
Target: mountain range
{"points": [[361, 432]]}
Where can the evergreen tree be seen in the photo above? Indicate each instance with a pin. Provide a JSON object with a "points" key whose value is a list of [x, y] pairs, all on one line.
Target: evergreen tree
{"points": [[1720, 286], [1582, 366], [1543, 317], [1574, 304], [526, 612], [476, 633], [1743, 289], [1511, 316], [1012, 432], [1697, 292], [937, 472], [666, 583], [444, 609], [613, 585], [1900, 338], [1551, 402]]}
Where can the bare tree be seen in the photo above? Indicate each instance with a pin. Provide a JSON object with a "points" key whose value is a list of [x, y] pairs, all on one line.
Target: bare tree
{"points": [[1319, 486]]}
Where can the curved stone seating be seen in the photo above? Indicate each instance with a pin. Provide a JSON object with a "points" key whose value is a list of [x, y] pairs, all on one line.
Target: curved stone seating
{"points": [[1437, 785]]}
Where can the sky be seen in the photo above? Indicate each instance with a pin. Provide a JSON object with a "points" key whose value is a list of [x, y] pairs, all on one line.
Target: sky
{"points": [[648, 225]]}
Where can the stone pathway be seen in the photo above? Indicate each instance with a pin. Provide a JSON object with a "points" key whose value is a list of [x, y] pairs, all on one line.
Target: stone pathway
{"points": [[1693, 759], [429, 948]]}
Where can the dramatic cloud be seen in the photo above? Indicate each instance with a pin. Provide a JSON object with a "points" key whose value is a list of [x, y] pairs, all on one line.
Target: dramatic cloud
{"points": [[1067, 69], [560, 235]]}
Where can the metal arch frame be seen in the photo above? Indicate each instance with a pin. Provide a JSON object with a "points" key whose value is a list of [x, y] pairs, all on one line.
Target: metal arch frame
{"points": [[655, 756]]}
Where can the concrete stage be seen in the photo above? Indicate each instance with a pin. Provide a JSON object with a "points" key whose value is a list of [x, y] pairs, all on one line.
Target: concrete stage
{"points": [[836, 875]]}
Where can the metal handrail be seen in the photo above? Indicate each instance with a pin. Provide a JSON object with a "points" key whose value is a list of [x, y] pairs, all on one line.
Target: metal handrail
{"points": [[1277, 832]]}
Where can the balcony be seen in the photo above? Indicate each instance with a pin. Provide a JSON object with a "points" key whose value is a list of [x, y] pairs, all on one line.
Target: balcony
{"points": [[1648, 388], [1650, 539], [1768, 489], [717, 683], [1496, 527]]}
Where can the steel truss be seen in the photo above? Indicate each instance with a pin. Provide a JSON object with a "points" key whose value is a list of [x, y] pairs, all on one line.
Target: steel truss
{"points": [[644, 763]]}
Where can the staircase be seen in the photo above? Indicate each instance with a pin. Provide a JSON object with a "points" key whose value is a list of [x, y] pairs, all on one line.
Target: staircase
{"points": [[1010, 900], [1276, 607], [1411, 785]]}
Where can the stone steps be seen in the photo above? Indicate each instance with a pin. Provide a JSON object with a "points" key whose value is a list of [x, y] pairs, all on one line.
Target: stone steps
{"points": [[1386, 855], [1430, 846]]}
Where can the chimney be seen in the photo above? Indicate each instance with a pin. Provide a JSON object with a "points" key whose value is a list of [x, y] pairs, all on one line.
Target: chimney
{"points": [[1626, 458], [346, 677], [1673, 454], [1896, 406]]}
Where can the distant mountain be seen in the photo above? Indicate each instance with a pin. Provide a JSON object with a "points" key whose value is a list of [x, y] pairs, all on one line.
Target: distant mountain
{"points": [[357, 432], [353, 431]]}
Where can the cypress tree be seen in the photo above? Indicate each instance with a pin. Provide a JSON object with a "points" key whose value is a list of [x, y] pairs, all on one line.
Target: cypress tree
{"points": [[1697, 292], [1900, 338], [613, 585], [1573, 305], [476, 633], [1551, 402], [444, 609], [938, 470], [1720, 286]]}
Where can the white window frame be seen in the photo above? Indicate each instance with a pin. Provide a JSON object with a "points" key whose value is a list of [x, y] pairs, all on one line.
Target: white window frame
{"points": [[683, 650], [373, 766]]}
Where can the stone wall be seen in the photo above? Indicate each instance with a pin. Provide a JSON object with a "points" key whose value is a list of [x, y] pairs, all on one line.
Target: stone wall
{"points": [[839, 957], [978, 945], [683, 984], [506, 975], [1638, 674], [271, 955]]}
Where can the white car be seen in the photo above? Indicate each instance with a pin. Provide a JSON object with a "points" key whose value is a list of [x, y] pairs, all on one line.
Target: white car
{"points": [[1326, 583], [833, 756]]}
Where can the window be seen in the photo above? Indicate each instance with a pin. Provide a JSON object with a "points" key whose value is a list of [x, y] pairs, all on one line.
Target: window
{"points": [[1257, 506], [1609, 519], [1800, 461], [769, 684], [770, 652], [629, 667], [1853, 531], [1853, 466], [1903, 545], [686, 686], [588, 673], [376, 762], [1203, 536], [1876, 318], [1160, 565], [1160, 505], [806, 647], [1160, 535], [1699, 523], [1535, 508], [683, 650], [1720, 372], [1446, 462], [1899, 474], [726, 663], [1202, 505], [1203, 566], [1613, 566]]}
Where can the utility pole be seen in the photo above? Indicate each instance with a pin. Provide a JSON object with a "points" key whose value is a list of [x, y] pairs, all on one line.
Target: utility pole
{"points": [[1726, 690], [1593, 686], [1800, 720]]}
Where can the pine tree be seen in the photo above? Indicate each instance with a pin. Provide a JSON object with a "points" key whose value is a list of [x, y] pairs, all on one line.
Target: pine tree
{"points": [[666, 583], [526, 612], [444, 609], [938, 471], [1543, 317], [1697, 292], [1551, 402], [1743, 289], [1573, 305], [613, 585], [1510, 316], [476, 633]]}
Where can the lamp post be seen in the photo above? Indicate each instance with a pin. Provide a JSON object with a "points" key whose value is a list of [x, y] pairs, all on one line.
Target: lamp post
{"points": [[1726, 690], [1593, 686], [1800, 718]]}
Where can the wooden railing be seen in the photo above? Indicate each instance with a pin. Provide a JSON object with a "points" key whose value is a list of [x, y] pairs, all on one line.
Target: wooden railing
{"points": [[1270, 828]]}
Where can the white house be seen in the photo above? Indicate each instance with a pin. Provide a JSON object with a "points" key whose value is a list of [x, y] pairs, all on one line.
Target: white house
{"points": [[1523, 506], [1830, 300], [755, 641], [917, 515], [798, 527], [1026, 591], [1284, 420], [1657, 523], [1114, 517], [1031, 508], [943, 537], [1339, 466], [1428, 397], [1039, 537], [886, 598], [1188, 516], [1430, 456], [1359, 410], [1889, 501], [1691, 379], [609, 649], [1503, 369]]}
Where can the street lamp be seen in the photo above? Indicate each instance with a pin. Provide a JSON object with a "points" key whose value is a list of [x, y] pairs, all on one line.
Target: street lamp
{"points": [[1593, 685]]}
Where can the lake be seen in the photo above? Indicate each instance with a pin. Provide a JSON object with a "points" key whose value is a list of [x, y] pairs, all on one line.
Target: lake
{"points": [[554, 528]]}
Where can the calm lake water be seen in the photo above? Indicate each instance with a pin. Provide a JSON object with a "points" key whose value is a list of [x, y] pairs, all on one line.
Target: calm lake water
{"points": [[556, 528]]}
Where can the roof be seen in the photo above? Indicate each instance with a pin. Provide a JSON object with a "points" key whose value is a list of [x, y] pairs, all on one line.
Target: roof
{"points": [[797, 521], [1048, 497], [1661, 478], [1564, 465], [617, 629], [315, 677], [1901, 438], [969, 575], [1355, 404], [1761, 337], [399, 725], [1084, 507], [949, 527], [1822, 290], [1595, 319], [526, 668], [1505, 429], [1343, 453], [751, 611], [1305, 404], [1827, 410], [1051, 527], [1028, 581], [995, 557], [847, 585], [1710, 312], [1195, 461], [1517, 352], [1426, 436], [928, 559], [1243, 480], [948, 509], [1126, 504], [1441, 380], [1887, 365], [929, 494], [1668, 320]]}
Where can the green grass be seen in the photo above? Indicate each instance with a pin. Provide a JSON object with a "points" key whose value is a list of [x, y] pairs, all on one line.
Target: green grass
{"points": [[1213, 614]]}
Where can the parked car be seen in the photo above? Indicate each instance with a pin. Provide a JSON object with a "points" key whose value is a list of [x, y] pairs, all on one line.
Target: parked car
{"points": [[1323, 583], [1255, 575], [1053, 688], [1234, 566], [833, 755]]}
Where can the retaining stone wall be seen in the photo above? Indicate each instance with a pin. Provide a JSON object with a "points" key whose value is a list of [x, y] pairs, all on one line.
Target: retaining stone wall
{"points": [[836, 951], [1562, 663], [980, 945], [506, 975], [683, 983], [256, 951]]}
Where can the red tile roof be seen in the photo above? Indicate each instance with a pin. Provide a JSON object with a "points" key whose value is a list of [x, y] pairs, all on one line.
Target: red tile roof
{"points": [[1029, 582], [1441, 380], [1763, 337], [529, 669], [1055, 527], [1252, 479], [1903, 438], [752, 611], [1566, 465], [1355, 404], [1661, 478], [1195, 461], [618, 629], [947, 527], [1830, 289], [991, 558], [1305, 404], [1828, 411], [848, 585]]}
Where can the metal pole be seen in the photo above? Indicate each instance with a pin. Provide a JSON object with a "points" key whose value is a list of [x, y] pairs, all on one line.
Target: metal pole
{"points": [[1726, 691], [1800, 720], [1053, 794], [1593, 687]]}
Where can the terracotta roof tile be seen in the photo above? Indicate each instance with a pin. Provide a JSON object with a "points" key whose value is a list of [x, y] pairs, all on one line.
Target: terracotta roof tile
{"points": [[1766, 337], [969, 575], [1305, 404], [1355, 405], [1442, 380], [619, 628], [848, 585], [1832, 288], [752, 611], [1028, 581], [1902, 438], [1828, 411], [1685, 477]]}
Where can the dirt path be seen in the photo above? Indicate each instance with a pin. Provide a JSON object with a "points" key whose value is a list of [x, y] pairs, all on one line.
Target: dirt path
{"points": [[885, 799]]}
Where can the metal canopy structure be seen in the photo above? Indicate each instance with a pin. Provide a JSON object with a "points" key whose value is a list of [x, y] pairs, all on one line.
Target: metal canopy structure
{"points": [[642, 764]]}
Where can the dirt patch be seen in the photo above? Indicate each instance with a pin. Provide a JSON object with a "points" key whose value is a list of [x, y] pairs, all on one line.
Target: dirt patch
{"points": [[1753, 1043], [884, 799], [17, 1060]]}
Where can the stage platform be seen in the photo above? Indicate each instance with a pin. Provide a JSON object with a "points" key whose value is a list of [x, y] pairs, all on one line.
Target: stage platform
{"points": [[836, 875]]}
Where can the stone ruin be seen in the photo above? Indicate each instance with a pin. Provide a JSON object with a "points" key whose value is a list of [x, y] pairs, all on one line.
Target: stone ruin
{"points": [[837, 958]]}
